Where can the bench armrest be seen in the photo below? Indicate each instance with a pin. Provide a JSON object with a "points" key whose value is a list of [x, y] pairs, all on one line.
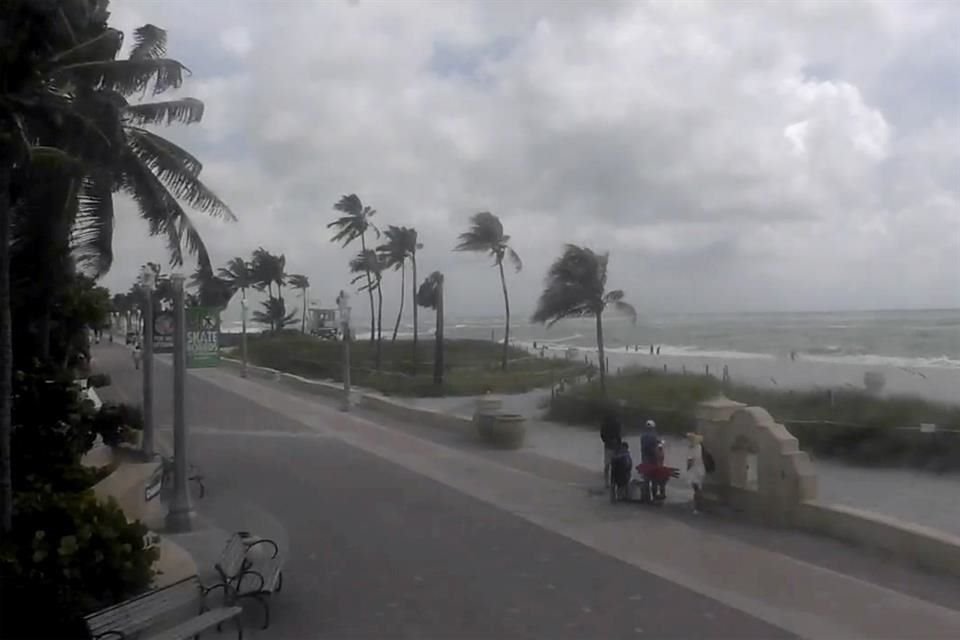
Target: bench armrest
{"points": [[276, 548], [249, 572]]}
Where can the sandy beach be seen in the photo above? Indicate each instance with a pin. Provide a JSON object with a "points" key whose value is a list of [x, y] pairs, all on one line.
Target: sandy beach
{"points": [[940, 384]]}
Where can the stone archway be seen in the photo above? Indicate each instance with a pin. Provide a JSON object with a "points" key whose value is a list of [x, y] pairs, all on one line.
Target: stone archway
{"points": [[742, 460]]}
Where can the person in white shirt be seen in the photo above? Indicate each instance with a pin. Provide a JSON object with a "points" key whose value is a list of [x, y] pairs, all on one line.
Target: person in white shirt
{"points": [[137, 355], [695, 468]]}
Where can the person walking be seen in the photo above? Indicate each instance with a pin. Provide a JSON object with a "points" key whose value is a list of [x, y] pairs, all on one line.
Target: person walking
{"points": [[611, 433], [696, 469], [137, 355]]}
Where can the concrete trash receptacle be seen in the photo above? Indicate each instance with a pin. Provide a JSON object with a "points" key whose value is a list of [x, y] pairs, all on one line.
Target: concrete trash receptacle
{"points": [[487, 408], [505, 431]]}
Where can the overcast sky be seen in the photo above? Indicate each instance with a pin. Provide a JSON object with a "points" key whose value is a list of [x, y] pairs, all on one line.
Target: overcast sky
{"points": [[729, 155]]}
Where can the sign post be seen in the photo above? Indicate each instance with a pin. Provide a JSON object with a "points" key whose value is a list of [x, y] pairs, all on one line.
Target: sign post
{"points": [[203, 337]]}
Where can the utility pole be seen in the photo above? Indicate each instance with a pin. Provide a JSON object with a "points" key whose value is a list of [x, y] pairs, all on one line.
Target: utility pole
{"points": [[180, 515], [148, 277], [343, 304], [243, 329]]}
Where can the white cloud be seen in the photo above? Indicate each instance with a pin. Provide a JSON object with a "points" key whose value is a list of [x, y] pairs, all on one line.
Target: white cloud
{"points": [[753, 157]]}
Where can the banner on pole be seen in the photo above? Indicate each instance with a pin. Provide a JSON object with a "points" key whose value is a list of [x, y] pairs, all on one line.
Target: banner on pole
{"points": [[203, 337], [163, 331]]}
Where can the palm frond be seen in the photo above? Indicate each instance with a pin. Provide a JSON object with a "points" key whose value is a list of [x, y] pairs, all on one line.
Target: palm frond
{"points": [[428, 295], [170, 169], [125, 76], [185, 110], [613, 296], [104, 46], [485, 234], [149, 42], [189, 161], [626, 309], [92, 234], [514, 258]]}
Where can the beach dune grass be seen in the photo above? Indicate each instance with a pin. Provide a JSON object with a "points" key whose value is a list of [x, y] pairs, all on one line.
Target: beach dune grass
{"points": [[846, 423], [472, 367]]}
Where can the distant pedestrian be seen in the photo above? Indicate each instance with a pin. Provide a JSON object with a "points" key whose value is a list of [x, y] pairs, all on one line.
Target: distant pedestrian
{"points": [[658, 349], [137, 355], [611, 433], [651, 349]]}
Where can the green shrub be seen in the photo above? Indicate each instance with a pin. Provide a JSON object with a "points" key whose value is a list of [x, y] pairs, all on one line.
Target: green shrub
{"points": [[113, 421], [52, 429], [68, 555], [98, 380], [842, 423]]}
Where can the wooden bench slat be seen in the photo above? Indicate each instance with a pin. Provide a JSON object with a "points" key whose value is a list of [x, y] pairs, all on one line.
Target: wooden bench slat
{"points": [[196, 625], [134, 615]]}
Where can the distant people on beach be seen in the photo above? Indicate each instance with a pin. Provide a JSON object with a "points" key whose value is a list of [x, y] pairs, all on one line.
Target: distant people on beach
{"points": [[658, 349], [651, 349], [793, 355]]}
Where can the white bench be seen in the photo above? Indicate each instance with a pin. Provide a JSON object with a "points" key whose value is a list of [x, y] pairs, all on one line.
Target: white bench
{"points": [[175, 612], [250, 575]]}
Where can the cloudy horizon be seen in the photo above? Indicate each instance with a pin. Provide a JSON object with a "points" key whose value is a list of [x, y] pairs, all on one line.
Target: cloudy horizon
{"points": [[729, 156]]}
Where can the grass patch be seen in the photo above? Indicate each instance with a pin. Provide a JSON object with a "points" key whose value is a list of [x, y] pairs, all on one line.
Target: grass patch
{"points": [[842, 423], [472, 367]]}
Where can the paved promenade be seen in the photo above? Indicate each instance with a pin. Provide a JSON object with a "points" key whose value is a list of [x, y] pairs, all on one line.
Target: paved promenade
{"points": [[396, 531]]}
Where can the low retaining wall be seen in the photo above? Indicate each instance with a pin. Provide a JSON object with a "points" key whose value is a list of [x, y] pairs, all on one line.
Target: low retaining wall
{"points": [[926, 547], [366, 399], [761, 473]]}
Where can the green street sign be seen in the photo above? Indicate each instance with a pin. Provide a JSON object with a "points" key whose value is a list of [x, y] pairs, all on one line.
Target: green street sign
{"points": [[203, 337]]}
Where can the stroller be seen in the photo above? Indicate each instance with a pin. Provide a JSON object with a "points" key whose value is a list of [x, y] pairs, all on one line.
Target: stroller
{"points": [[654, 477]]}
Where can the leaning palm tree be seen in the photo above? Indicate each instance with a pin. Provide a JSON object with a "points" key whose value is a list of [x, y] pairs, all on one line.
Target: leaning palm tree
{"points": [[575, 287], [353, 224], [486, 235], [401, 245], [211, 290], [268, 270], [430, 295], [239, 275], [275, 315], [302, 283], [369, 265]]}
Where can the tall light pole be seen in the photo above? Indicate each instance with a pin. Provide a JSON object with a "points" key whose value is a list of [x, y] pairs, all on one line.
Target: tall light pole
{"points": [[343, 305], [243, 332], [148, 279], [180, 515]]}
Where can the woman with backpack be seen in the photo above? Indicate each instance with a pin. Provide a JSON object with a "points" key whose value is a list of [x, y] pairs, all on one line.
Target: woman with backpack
{"points": [[696, 469]]}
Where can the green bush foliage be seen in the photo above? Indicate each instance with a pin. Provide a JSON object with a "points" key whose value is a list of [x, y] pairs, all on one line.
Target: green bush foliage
{"points": [[472, 366], [847, 424], [113, 422], [68, 555], [98, 380]]}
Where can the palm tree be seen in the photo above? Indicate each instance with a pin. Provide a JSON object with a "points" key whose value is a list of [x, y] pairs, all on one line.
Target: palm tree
{"points": [[275, 314], [430, 295], [400, 246], [268, 270], [212, 291], [239, 275], [303, 283], [353, 224], [486, 235], [576, 286], [369, 264]]}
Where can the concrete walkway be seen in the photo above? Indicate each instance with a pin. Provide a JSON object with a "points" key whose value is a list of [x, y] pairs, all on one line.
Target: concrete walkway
{"points": [[808, 600]]}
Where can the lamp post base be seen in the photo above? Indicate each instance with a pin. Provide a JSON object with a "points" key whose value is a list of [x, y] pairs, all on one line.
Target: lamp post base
{"points": [[180, 520]]}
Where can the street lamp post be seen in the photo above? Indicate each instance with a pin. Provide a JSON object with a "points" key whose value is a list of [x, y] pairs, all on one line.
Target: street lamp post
{"points": [[180, 515], [243, 332], [148, 279], [343, 304]]}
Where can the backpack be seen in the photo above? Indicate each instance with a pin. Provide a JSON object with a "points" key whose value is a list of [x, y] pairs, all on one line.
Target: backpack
{"points": [[709, 465]]}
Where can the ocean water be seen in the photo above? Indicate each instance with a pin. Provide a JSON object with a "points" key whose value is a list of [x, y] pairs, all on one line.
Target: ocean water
{"points": [[914, 339]]}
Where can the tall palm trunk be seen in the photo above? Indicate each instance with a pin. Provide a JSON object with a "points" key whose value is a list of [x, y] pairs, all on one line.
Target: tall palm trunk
{"points": [[373, 326], [303, 319], [603, 360], [506, 306], [403, 295], [6, 353], [379, 323], [438, 345], [416, 328]]}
